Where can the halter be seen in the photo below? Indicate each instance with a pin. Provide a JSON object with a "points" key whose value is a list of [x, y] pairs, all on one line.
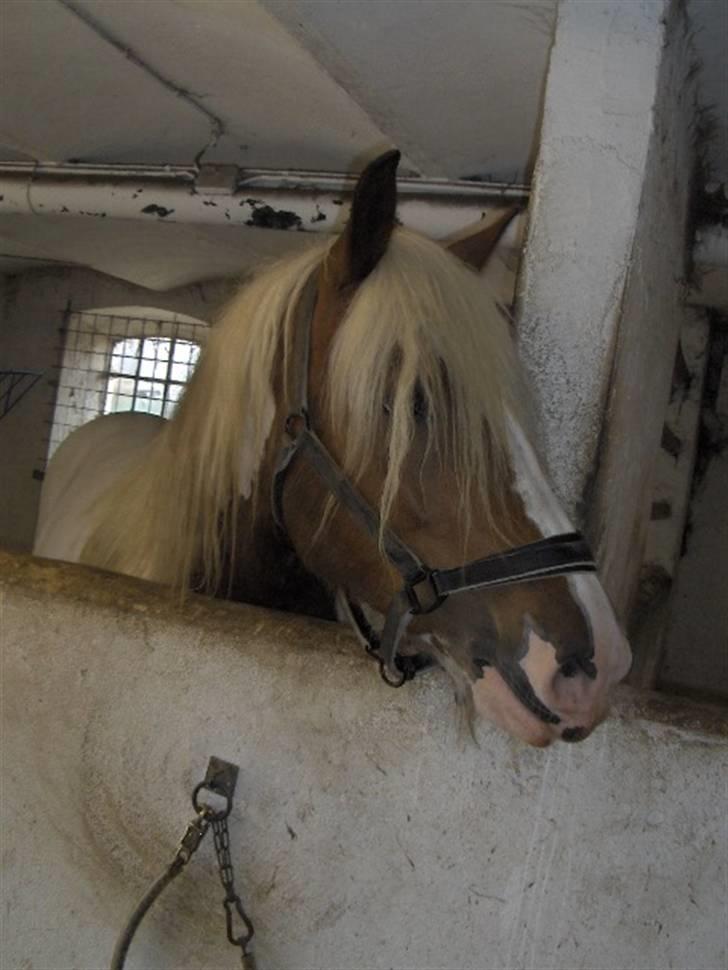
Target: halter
{"points": [[424, 589]]}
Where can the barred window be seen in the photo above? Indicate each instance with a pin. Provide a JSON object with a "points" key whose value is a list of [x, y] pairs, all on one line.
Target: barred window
{"points": [[149, 374], [127, 359]]}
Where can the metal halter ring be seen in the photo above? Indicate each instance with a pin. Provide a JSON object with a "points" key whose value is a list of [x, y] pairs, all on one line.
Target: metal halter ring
{"points": [[296, 423], [388, 679], [209, 812]]}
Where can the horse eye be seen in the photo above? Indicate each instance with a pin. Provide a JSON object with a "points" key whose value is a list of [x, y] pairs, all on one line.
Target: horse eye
{"points": [[419, 403]]}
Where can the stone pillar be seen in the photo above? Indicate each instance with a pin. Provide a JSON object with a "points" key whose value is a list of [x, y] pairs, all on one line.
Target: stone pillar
{"points": [[600, 293]]}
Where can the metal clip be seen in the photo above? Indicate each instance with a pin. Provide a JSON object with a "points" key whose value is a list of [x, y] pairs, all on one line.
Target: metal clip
{"points": [[194, 834], [234, 908]]}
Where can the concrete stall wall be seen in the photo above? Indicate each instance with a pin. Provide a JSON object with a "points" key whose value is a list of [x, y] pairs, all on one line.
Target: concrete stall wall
{"points": [[33, 311], [367, 832]]}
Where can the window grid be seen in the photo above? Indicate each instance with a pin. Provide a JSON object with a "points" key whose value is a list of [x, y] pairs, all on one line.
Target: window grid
{"points": [[85, 367], [181, 357]]}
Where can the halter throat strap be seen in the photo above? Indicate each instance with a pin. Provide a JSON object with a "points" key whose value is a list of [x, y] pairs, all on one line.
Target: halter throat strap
{"points": [[424, 589]]}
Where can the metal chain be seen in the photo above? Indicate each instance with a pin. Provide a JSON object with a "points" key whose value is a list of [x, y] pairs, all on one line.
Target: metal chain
{"points": [[234, 910], [220, 780]]}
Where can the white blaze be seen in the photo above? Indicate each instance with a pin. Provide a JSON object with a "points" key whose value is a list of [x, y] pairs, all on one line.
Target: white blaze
{"points": [[612, 655]]}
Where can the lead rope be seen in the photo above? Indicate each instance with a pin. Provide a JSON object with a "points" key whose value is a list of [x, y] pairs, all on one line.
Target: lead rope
{"points": [[220, 780]]}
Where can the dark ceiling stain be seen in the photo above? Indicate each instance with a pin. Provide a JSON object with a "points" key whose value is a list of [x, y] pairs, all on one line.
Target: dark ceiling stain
{"points": [[157, 210], [266, 217]]}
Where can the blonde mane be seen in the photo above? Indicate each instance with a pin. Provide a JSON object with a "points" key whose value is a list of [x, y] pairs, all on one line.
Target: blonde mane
{"points": [[421, 319]]}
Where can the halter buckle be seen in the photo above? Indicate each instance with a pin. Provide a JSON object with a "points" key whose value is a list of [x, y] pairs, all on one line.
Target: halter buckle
{"points": [[296, 423], [422, 592]]}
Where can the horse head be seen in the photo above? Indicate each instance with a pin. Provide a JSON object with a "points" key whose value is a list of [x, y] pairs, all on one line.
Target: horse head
{"points": [[415, 395], [408, 479]]}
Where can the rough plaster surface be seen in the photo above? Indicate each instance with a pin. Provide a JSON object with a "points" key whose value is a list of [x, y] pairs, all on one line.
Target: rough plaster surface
{"points": [[585, 203], [364, 835]]}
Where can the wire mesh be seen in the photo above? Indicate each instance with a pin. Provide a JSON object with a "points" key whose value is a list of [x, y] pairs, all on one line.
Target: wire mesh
{"points": [[14, 385], [110, 363]]}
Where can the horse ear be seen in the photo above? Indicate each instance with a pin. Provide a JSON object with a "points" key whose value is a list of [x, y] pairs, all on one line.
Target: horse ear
{"points": [[372, 219], [475, 245]]}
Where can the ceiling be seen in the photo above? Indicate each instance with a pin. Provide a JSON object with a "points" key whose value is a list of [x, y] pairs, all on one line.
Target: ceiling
{"points": [[304, 84], [308, 84]]}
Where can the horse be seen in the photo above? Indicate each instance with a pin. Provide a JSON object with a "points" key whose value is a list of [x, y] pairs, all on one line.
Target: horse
{"points": [[358, 414]]}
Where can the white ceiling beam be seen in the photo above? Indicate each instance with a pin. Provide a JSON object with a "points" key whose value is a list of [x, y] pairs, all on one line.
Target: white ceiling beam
{"points": [[285, 200]]}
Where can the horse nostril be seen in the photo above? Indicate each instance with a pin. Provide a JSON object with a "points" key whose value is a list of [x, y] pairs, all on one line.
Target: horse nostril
{"points": [[574, 734], [574, 664]]}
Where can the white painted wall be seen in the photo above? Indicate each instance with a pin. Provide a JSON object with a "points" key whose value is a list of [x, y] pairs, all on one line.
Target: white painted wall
{"points": [[611, 854], [365, 833]]}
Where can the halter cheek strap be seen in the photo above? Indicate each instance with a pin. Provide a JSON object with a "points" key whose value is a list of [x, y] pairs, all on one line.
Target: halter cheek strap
{"points": [[423, 589]]}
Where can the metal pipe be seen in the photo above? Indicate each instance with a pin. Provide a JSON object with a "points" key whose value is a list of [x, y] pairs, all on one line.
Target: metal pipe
{"points": [[310, 181], [261, 198]]}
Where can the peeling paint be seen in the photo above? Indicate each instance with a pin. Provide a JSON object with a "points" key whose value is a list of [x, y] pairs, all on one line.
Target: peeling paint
{"points": [[158, 210], [266, 217]]}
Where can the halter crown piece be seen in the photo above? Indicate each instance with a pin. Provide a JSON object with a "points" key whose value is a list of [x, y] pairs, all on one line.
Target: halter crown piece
{"points": [[423, 589]]}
